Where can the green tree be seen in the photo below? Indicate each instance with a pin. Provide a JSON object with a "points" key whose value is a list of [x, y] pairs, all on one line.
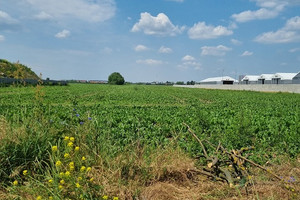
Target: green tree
{"points": [[116, 79]]}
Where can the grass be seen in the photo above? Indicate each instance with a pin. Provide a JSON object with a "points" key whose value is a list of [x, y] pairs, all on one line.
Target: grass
{"points": [[136, 145]]}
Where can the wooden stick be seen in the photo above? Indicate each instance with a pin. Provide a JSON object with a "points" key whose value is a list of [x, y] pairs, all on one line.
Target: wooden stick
{"points": [[202, 146]]}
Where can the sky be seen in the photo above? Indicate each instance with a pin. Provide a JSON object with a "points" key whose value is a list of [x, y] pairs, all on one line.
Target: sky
{"points": [[151, 40]]}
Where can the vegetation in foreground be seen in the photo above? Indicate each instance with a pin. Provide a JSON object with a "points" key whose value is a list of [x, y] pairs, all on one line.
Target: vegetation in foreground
{"points": [[129, 142]]}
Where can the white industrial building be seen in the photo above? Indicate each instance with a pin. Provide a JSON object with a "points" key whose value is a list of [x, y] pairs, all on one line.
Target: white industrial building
{"points": [[296, 79], [265, 79], [224, 80], [250, 79], [283, 78]]}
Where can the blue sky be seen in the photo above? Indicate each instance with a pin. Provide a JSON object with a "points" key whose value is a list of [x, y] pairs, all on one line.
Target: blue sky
{"points": [[157, 40]]}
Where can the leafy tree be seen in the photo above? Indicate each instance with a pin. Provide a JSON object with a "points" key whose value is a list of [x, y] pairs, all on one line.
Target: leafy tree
{"points": [[116, 79]]}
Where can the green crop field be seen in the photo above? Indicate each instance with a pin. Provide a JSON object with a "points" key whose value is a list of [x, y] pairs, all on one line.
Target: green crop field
{"points": [[113, 126]]}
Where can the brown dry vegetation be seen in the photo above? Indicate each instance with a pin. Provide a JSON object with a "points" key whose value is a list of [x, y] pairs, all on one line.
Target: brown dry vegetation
{"points": [[172, 175]]}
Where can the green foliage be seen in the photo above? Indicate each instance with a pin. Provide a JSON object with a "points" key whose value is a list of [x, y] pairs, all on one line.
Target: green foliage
{"points": [[16, 70], [116, 79]]}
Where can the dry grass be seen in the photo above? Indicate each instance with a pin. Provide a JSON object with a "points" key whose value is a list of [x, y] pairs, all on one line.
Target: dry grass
{"points": [[172, 175]]}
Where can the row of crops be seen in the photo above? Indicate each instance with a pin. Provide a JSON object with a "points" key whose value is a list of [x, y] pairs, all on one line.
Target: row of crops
{"points": [[112, 119]]}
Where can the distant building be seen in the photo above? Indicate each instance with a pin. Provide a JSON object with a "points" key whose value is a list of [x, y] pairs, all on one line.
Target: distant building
{"points": [[225, 80], [250, 79], [296, 79], [283, 78], [265, 79], [98, 81]]}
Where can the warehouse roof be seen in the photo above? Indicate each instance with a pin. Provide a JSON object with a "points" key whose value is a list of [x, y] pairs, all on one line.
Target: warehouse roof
{"points": [[284, 76], [250, 78], [266, 76], [218, 79]]}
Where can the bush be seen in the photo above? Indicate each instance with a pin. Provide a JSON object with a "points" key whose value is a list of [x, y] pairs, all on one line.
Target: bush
{"points": [[116, 79]]}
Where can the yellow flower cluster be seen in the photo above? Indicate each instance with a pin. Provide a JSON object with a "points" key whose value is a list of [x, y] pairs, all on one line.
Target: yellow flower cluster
{"points": [[71, 173]]}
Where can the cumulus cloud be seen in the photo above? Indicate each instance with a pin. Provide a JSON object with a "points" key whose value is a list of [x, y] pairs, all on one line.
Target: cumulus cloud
{"points": [[236, 42], [150, 62], [268, 9], [188, 58], [203, 31], [91, 11], [159, 25], [163, 49], [63, 34], [2, 38], [289, 33], [189, 62], [247, 53], [214, 50], [141, 48], [262, 13]]}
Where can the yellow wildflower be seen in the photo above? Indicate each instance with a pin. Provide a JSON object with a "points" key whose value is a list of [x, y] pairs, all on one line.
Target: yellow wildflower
{"points": [[54, 148], [72, 139], [91, 179], [61, 174], [39, 198], [60, 187], [71, 164], [72, 168], [50, 198], [116, 198], [105, 197], [67, 155], [88, 169], [50, 181], [79, 178], [62, 181], [70, 144], [82, 169], [83, 158], [66, 138], [25, 172], [249, 177], [67, 174], [77, 185], [76, 149], [15, 183], [58, 163]]}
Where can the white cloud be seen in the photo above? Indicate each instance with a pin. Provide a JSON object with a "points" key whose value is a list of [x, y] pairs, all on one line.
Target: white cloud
{"points": [[268, 9], [236, 42], [7, 22], [203, 31], [141, 48], [247, 53], [163, 49], [150, 62], [6, 18], [294, 50], [2, 38], [214, 51], [289, 33], [160, 25], [63, 34], [91, 11], [43, 16], [189, 62], [262, 13], [188, 58]]}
